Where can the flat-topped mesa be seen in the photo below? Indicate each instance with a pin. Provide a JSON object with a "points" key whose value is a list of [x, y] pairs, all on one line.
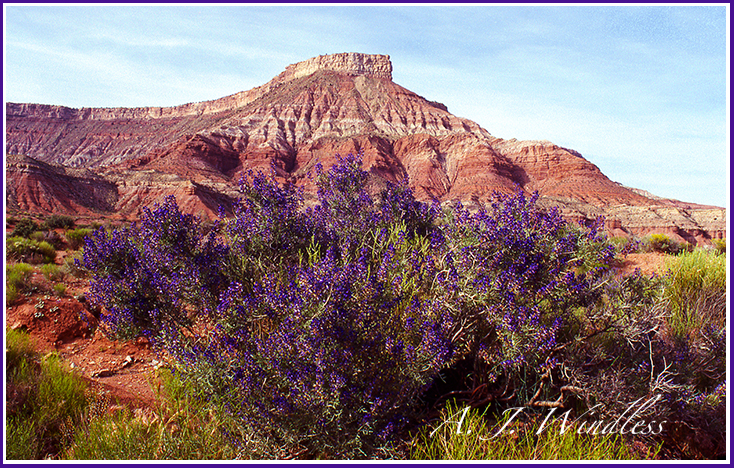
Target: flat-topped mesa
{"points": [[350, 63]]}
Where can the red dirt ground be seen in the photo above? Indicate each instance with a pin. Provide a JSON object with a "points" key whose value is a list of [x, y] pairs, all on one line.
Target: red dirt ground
{"points": [[123, 369]]}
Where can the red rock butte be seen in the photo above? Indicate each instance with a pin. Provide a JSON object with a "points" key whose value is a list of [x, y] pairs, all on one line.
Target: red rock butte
{"points": [[110, 162]]}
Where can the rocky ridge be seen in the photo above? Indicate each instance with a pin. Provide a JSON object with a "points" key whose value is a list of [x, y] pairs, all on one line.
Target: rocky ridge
{"points": [[315, 109]]}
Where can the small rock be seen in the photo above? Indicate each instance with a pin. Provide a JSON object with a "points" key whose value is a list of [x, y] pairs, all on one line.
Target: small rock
{"points": [[103, 373]]}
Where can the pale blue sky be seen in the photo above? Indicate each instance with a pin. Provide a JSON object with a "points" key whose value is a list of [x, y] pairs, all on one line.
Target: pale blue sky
{"points": [[642, 92]]}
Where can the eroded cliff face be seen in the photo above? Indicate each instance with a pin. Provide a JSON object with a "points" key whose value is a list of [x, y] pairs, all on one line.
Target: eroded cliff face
{"points": [[350, 63], [312, 111]]}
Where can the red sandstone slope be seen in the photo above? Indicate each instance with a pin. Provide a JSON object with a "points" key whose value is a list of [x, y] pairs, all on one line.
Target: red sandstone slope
{"points": [[42, 188], [315, 109]]}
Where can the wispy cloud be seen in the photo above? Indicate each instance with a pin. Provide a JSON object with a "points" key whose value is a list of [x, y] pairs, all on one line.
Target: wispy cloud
{"points": [[639, 90]]}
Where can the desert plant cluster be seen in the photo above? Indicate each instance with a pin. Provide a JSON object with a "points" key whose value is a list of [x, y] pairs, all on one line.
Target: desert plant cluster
{"points": [[360, 326]]}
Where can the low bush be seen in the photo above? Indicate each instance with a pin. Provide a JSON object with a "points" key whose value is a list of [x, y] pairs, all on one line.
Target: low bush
{"points": [[719, 245], [625, 245], [51, 237], [58, 222], [18, 348], [75, 237], [24, 228], [37, 236], [59, 289], [664, 244], [17, 280], [52, 272], [27, 250]]}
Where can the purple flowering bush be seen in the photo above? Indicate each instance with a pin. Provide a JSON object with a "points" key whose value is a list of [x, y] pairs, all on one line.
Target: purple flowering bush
{"points": [[319, 327], [329, 329], [328, 344], [518, 272], [157, 277]]}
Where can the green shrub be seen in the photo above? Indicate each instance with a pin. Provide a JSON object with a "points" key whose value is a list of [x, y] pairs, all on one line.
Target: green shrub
{"points": [[719, 245], [24, 228], [51, 237], [37, 236], [22, 439], [17, 280], [60, 289], [18, 348], [75, 237], [664, 244], [58, 221], [28, 250], [696, 289], [52, 272]]}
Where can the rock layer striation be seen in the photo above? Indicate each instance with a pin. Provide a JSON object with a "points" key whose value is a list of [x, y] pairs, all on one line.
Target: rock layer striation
{"points": [[312, 111]]}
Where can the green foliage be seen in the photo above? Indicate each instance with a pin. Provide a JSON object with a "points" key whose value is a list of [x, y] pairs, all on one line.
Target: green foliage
{"points": [[59, 289], [625, 245], [21, 439], [27, 250], [37, 236], [696, 289], [24, 228], [58, 221], [61, 394], [43, 395], [18, 348], [50, 237], [719, 245], [664, 244], [17, 280], [183, 427], [52, 272], [75, 237]]}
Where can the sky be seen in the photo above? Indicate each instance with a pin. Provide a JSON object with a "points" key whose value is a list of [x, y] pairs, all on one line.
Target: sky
{"points": [[640, 91]]}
